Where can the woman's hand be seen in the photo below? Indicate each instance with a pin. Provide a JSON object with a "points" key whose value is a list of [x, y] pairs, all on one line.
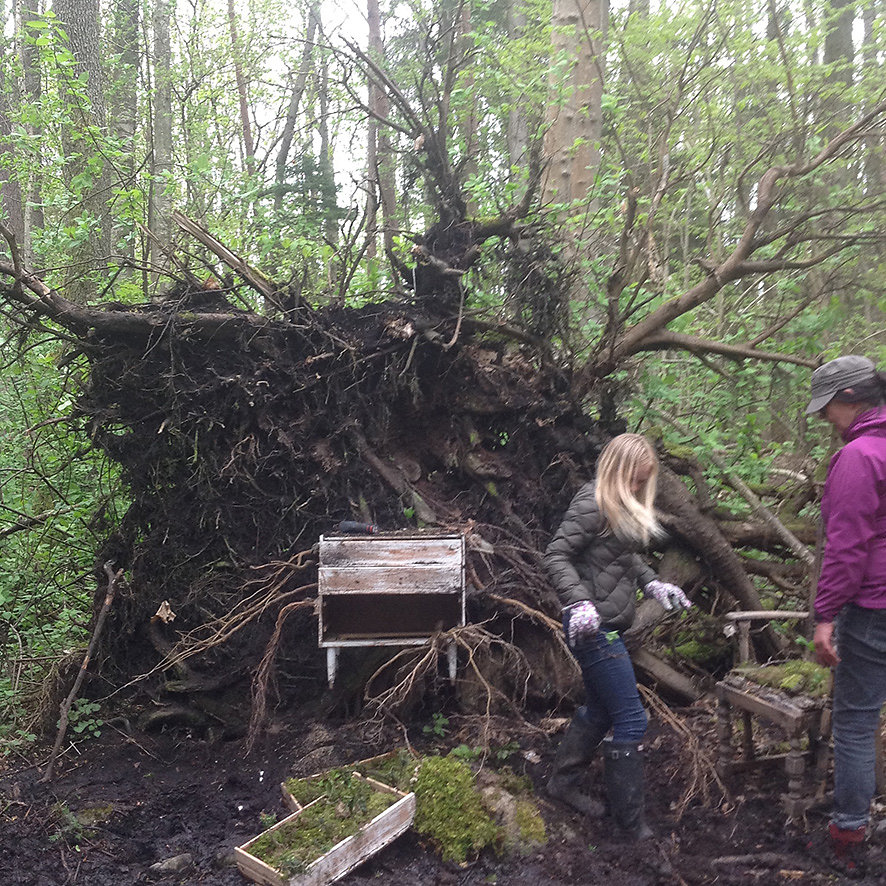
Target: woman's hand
{"points": [[825, 650], [670, 596], [583, 621]]}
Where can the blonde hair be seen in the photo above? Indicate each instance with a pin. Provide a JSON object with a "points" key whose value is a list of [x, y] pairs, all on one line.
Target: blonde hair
{"points": [[629, 515]]}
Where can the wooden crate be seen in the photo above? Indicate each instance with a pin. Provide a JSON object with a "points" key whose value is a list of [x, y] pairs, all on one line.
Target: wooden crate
{"points": [[344, 856], [359, 768], [395, 589]]}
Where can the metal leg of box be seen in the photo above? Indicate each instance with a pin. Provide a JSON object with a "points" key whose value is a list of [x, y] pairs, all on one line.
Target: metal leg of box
{"points": [[331, 664], [452, 658]]}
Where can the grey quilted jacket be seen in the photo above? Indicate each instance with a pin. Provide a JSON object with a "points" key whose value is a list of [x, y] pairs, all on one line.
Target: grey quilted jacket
{"points": [[585, 562]]}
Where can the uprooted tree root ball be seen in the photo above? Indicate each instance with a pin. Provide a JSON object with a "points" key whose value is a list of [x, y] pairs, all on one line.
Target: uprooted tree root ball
{"points": [[240, 451]]}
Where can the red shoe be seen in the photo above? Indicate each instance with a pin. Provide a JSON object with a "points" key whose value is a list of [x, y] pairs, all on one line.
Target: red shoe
{"points": [[847, 851]]}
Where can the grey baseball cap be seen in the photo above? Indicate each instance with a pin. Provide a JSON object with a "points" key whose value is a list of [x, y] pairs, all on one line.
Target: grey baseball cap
{"points": [[837, 375]]}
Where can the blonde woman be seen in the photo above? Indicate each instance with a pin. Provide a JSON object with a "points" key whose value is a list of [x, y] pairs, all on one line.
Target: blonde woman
{"points": [[594, 564]]}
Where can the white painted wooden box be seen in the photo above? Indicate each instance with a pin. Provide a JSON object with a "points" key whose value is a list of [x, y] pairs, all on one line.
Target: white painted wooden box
{"points": [[392, 589], [344, 856]]}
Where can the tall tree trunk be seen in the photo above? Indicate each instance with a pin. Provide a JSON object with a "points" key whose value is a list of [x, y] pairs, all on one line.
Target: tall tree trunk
{"points": [[380, 158], [839, 54], [326, 164], [80, 20], [160, 213], [32, 209], [518, 120], [11, 205], [875, 163], [242, 92], [123, 95], [468, 125], [298, 89], [575, 118]]}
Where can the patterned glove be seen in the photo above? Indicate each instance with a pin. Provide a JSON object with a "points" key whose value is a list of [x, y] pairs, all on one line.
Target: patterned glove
{"points": [[670, 596], [583, 621]]}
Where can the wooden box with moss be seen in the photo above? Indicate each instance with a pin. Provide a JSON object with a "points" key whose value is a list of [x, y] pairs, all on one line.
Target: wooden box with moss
{"points": [[396, 769], [350, 819]]}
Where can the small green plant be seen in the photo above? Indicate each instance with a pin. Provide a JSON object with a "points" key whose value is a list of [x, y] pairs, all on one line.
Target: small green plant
{"points": [[68, 826], [438, 727], [466, 753], [505, 752], [267, 820], [82, 719]]}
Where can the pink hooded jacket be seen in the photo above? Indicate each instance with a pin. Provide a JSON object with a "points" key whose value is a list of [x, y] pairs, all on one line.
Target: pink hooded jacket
{"points": [[853, 509]]}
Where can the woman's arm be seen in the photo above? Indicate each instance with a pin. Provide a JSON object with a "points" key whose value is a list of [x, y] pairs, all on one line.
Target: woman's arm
{"points": [[853, 501], [580, 524]]}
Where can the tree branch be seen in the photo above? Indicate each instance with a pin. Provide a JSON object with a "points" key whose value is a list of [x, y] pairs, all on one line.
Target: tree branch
{"points": [[681, 342]]}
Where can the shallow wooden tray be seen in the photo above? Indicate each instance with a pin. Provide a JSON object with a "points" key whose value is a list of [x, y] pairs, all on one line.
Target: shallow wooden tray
{"points": [[344, 856]]}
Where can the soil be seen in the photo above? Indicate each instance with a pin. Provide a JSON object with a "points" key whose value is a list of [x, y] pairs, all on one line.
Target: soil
{"points": [[156, 796]]}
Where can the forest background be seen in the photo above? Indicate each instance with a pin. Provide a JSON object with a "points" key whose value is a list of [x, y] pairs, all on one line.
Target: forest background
{"points": [[680, 205]]}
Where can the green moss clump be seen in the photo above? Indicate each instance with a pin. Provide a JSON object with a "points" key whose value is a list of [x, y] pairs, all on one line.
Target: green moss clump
{"points": [[530, 826], [794, 677], [348, 803], [448, 809], [695, 651]]}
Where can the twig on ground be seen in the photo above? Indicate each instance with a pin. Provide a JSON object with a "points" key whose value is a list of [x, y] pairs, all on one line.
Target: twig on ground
{"points": [[113, 581]]}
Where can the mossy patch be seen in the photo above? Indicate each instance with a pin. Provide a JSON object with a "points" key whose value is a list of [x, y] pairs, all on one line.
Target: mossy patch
{"points": [[396, 769], [449, 809], [346, 803], [794, 677]]}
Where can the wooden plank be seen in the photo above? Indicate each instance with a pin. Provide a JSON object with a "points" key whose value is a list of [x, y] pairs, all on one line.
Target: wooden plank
{"points": [[386, 580], [382, 551]]}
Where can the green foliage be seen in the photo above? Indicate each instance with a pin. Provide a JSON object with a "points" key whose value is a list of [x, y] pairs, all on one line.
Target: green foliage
{"points": [[449, 810], [82, 719], [64, 497], [438, 727]]}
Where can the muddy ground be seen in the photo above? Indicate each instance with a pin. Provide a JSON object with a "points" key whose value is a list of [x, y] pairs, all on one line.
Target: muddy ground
{"points": [[153, 797]]}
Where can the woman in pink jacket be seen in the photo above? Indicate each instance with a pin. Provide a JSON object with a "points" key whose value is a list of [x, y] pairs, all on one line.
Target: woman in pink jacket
{"points": [[850, 394]]}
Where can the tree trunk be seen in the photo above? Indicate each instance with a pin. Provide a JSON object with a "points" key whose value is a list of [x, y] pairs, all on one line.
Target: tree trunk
{"points": [[124, 94], [575, 114], [11, 206], [380, 158], [160, 218], [518, 122], [81, 21], [32, 209], [242, 91], [298, 90]]}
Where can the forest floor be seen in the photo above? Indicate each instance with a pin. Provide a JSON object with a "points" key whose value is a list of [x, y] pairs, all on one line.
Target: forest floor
{"points": [[122, 802]]}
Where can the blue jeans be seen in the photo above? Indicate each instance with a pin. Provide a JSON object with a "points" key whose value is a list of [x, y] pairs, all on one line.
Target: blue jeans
{"points": [[610, 686], [859, 693]]}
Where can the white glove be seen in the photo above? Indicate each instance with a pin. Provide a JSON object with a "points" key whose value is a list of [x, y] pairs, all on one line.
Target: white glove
{"points": [[583, 621], [670, 596]]}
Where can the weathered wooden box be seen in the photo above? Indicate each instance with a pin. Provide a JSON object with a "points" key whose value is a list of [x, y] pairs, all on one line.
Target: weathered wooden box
{"points": [[344, 856], [392, 589]]}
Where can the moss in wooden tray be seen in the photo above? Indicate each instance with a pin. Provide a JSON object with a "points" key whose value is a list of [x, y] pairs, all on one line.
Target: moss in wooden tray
{"points": [[345, 804], [397, 769], [794, 677]]}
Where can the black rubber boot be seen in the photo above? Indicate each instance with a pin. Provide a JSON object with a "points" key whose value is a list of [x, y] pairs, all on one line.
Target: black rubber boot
{"points": [[623, 777], [577, 748]]}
